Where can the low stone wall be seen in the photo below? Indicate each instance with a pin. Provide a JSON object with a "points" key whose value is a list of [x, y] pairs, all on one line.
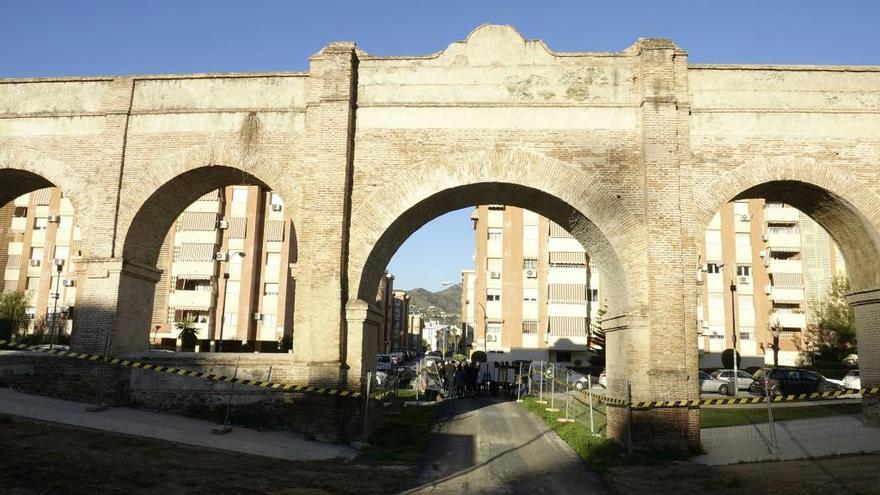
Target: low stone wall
{"points": [[322, 417]]}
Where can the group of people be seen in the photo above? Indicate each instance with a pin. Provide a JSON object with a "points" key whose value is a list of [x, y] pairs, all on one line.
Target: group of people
{"points": [[464, 379]]}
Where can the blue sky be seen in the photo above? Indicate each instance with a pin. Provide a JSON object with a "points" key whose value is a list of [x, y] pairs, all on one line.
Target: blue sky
{"points": [[53, 38]]}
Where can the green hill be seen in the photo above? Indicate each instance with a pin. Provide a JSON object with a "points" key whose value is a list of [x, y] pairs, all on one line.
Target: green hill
{"points": [[446, 302]]}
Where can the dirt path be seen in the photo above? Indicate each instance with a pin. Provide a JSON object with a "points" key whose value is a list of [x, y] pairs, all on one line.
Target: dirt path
{"points": [[50, 459]]}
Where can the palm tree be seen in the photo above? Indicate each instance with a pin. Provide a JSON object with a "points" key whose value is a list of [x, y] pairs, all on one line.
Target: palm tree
{"points": [[187, 333]]}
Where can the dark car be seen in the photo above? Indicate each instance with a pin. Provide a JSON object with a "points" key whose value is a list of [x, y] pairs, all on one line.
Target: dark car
{"points": [[791, 381]]}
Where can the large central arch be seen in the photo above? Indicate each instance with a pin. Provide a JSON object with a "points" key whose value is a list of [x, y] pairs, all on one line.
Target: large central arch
{"points": [[561, 192], [580, 203]]}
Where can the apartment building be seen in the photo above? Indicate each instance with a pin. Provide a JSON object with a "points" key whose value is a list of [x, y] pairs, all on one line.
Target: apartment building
{"points": [[533, 292], [40, 245], [400, 338], [763, 268], [385, 304], [225, 265]]}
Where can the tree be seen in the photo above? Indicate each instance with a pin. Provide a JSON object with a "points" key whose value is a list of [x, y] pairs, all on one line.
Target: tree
{"points": [[479, 357], [13, 310], [187, 333], [596, 338], [727, 358], [831, 339]]}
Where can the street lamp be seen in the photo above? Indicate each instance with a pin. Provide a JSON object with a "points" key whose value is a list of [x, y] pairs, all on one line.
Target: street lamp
{"points": [[225, 293], [735, 353], [59, 265]]}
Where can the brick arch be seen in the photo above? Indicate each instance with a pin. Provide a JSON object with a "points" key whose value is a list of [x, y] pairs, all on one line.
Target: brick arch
{"points": [[839, 202], [552, 188], [23, 171], [173, 182]]}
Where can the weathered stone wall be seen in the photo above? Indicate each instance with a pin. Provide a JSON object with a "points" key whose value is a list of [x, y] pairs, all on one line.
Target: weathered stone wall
{"points": [[323, 417]]}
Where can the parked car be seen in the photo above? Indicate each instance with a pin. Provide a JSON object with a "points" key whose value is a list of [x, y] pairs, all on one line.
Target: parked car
{"points": [[852, 381], [710, 384], [383, 362], [791, 381], [743, 379], [46, 347]]}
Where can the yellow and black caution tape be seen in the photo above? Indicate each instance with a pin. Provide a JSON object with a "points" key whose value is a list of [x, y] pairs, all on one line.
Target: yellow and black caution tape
{"points": [[815, 396], [126, 363]]}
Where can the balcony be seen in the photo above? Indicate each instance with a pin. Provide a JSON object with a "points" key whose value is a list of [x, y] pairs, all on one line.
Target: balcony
{"points": [[787, 294], [785, 266], [19, 224], [787, 242], [781, 215], [192, 299], [789, 320]]}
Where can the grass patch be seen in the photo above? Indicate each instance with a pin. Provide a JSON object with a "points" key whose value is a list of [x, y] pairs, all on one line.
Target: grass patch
{"points": [[598, 452], [711, 417], [401, 435]]}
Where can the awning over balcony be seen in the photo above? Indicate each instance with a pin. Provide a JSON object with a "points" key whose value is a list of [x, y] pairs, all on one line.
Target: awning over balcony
{"points": [[789, 280], [196, 220], [568, 258], [237, 227], [569, 326], [568, 292], [196, 252], [275, 230]]}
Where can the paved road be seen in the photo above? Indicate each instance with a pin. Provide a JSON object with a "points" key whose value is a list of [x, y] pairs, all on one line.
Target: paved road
{"points": [[484, 446]]}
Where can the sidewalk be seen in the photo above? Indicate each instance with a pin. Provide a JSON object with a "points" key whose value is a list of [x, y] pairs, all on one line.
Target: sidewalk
{"points": [[798, 439], [178, 429]]}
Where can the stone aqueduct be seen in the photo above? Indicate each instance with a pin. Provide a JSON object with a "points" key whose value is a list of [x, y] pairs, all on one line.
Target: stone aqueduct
{"points": [[633, 152]]}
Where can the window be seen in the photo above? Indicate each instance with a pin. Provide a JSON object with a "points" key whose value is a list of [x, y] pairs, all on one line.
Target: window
{"points": [[232, 288], [744, 270], [493, 332], [62, 252], [530, 263], [270, 320], [713, 267], [495, 233], [275, 199], [270, 289], [41, 223], [235, 258], [594, 295], [33, 283], [20, 212], [745, 334], [530, 294], [36, 253], [273, 259], [530, 232], [529, 326], [65, 222], [230, 319], [239, 195], [562, 357], [493, 295]]}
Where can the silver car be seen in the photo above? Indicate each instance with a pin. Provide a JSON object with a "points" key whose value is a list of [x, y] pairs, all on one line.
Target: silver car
{"points": [[712, 385], [743, 379]]}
